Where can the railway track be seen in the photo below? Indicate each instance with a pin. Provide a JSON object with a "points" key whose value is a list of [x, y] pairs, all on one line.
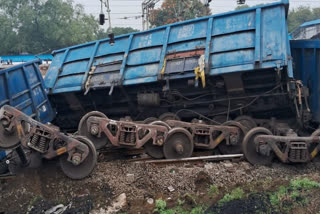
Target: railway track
{"points": [[193, 159]]}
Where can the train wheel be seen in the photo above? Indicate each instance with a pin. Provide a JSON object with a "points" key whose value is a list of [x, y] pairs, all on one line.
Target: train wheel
{"points": [[83, 169], [98, 142], [235, 145], [8, 140], [250, 148], [154, 150], [150, 120], [161, 123], [178, 144], [247, 121], [168, 116]]}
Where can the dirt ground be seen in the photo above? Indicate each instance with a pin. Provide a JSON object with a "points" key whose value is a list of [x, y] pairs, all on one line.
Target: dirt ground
{"points": [[36, 191]]}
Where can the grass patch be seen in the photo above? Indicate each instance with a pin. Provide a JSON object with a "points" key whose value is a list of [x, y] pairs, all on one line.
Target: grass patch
{"points": [[161, 208], [213, 190], [292, 195], [237, 193], [34, 200]]}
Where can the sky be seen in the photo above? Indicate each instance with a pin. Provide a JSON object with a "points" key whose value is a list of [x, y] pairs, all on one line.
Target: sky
{"points": [[120, 9]]}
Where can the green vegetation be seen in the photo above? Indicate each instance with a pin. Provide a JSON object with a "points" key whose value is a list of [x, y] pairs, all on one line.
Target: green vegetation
{"points": [[34, 26], [237, 193], [175, 10], [300, 15], [294, 194], [161, 208], [34, 200], [213, 190]]}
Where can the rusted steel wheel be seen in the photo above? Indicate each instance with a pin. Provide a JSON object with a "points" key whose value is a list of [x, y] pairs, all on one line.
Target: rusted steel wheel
{"points": [[168, 116], [153, 150], [8, 140], [236, 146], [247, 121], [160, 123], [83, 169], [99, 142], [150, 120], [250, 148], [178, 144]]}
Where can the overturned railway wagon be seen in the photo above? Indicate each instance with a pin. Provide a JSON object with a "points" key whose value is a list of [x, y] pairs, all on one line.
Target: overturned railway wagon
{"points": [[22, 87], [222, 82], [24, 139], [221, 67]]}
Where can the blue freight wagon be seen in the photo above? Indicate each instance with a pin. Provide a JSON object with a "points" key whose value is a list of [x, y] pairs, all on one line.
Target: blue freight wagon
{"points": [[22, 87], [306, 67], [220, 66]]}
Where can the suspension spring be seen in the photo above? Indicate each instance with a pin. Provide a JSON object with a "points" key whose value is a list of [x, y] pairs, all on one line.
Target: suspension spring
{"points": [[43, 144], [34, 139], [122, 136], [128, 138], [133, 138]]}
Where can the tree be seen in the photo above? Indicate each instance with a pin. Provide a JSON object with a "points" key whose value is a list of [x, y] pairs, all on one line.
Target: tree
{"points": [[178, 10], [8, 37], [37, 26], [300, 15], [117, 31], [240, 7]]}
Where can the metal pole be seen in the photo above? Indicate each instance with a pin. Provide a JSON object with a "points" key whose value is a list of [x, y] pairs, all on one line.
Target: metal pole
{"points": [[142, 6], [109, 17], [146, 5]]}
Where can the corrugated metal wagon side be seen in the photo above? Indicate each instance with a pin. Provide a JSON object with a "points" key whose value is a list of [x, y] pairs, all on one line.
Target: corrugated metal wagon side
{"points": [[306, 67], [251, 39], [22, 87], [209, 65]]}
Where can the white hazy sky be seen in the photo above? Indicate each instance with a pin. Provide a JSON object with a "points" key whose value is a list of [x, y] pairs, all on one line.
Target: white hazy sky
{"points": [[131, 8]]}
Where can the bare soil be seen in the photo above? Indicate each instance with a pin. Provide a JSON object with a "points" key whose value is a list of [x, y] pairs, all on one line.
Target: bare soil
{"points": [[36, 191]]}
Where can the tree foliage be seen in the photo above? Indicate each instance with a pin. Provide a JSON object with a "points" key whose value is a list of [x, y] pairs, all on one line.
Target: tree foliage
{"points": [[300, 15], [240, 7], [176, 10], [36, 26]]}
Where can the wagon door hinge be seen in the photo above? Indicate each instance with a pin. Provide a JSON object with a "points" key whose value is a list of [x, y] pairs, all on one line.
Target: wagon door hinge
{"points": [[200, 72], [87, 84]]}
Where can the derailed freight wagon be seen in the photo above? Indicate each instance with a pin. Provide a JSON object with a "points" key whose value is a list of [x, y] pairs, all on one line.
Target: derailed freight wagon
{"points": [[22, 87], [25, 136], [232, 66], [221, 66]]}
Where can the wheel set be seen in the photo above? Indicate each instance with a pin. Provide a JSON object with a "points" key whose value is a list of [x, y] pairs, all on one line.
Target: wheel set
{"points": [[168, 138]]}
